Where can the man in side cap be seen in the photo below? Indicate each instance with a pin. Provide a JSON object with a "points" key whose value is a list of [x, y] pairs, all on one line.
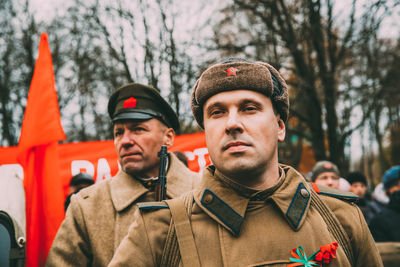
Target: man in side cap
{"points": [[248, 210], [326, 173], [385, 225], [99, 216]]}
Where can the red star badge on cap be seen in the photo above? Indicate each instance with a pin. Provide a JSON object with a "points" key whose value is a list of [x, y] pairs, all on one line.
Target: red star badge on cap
{"points": [[327, 165], [130, 103], [231, 71]]}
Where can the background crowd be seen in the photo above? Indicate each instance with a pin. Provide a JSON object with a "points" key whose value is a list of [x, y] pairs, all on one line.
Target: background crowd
{"points": [[380, 206]]}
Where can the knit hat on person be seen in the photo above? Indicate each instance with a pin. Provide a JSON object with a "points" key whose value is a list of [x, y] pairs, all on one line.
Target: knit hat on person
{"points": [[323, 166], [240, 74], [356, 177], [391, 177]]}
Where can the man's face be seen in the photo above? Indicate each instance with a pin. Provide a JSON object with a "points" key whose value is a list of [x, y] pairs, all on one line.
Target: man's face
{"points": [[329, 179], [242, 132], [137, 144], [359, 189]]}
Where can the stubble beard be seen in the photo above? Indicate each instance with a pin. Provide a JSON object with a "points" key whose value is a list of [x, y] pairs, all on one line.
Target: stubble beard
{"points": [[140, 169], [243, 170]]}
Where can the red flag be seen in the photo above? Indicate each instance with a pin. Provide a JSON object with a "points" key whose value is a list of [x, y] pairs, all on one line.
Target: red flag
{"points": [[38, 154]]}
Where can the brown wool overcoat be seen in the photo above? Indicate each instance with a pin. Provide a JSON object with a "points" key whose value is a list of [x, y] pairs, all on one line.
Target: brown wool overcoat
{"points": [[99, 216], [263, 232]]}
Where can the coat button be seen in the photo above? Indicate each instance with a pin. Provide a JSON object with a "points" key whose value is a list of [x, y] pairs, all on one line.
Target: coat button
{"points": [[304, 193], [207, 199]]}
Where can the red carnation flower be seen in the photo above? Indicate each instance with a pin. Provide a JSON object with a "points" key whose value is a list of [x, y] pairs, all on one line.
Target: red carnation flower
{"points": [[327, 253]]}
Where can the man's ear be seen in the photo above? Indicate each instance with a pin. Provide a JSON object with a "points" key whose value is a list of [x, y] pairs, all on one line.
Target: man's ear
{"points": [[282, 129], [169, 137]]}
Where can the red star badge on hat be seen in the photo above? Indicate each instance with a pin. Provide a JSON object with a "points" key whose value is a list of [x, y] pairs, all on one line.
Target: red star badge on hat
{"points": [[231, 71], [327, 165], [130, 103]]}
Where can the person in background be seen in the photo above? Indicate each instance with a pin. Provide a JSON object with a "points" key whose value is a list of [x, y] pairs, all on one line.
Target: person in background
{"points": [[379, 198], [385, 225], [78, 182], [325, 173], [358, 185], [99, 216]]}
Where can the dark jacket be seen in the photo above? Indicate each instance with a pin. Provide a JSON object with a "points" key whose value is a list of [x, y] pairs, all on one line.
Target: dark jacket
{"points": [[368, 208], [385, 225]]}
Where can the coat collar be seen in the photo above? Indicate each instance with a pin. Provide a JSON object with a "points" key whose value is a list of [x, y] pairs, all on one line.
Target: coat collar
{"points": [[125, 189], [293, 197], [226, 206]]}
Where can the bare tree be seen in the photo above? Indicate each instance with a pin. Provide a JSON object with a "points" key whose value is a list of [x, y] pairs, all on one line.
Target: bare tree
{"points": [[308, 42], [103, 45], [18, 35]]}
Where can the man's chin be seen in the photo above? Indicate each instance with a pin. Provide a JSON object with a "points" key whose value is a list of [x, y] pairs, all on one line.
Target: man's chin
{"points": [[133, 169], [238, 169]]}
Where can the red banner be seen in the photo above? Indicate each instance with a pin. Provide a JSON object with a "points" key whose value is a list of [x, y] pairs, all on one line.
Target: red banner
{"points": [[38, 154], [99, 158]]}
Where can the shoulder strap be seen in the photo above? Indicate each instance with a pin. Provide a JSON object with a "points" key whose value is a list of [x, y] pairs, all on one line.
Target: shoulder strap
{"points": [[333, 224], [180, 245], [336, 193]]}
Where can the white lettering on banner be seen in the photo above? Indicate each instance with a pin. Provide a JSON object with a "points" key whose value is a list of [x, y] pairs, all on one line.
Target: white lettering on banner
{"points": [[13, 169], [189, 155], [103, 170], [78, 166], [200, 153]]}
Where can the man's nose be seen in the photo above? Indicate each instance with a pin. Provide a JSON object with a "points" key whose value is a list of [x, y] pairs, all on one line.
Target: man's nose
{"points": [[234, 123], [127, 139]]}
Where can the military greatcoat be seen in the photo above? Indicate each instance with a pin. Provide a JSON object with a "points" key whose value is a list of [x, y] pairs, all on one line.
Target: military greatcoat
{"points": [[237, 226], [99, 216]]}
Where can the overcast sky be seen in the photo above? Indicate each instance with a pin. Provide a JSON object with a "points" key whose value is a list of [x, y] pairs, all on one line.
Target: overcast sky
{"points": [[47, 9]]}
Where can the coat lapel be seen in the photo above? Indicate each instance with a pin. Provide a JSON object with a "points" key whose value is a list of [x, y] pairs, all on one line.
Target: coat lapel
{"points": [[179, 178], [125, 190], [228, 208], [293, 198], [221, 202]]}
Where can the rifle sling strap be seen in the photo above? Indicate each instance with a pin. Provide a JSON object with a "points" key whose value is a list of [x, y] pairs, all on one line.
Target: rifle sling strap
{"points": [[180, 236], [333, 224]]}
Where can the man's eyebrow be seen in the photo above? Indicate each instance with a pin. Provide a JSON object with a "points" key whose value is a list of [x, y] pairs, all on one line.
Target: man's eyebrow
{"points": [[215, 104], [118, 126], [250, 100], [243, 101]]}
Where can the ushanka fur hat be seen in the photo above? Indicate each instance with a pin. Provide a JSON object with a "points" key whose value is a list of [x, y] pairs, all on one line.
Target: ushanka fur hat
{"points": [[240, 74]]}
